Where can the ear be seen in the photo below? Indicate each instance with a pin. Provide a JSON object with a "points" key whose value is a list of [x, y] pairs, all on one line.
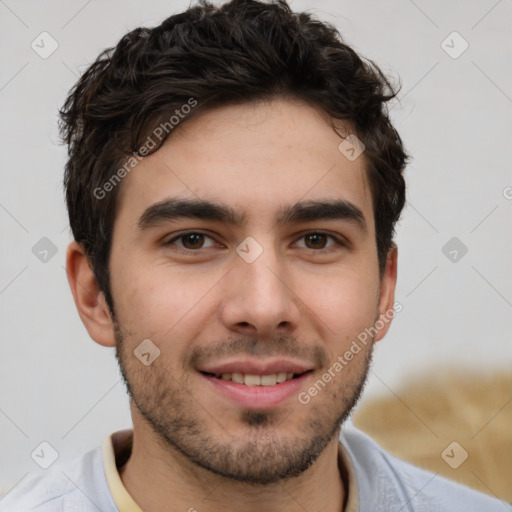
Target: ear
{"points": [[89, 300], [387, 295]]}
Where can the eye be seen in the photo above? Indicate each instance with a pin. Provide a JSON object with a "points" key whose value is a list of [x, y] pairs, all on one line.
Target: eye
{"points": [[319, 241], [192, 241]]}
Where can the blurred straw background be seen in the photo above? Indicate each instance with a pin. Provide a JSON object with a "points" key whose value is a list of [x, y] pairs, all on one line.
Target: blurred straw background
{"points": [[420, 422]]}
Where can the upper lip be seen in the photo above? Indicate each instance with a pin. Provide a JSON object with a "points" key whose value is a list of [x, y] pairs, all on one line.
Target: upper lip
{"points": [[256, 367]]}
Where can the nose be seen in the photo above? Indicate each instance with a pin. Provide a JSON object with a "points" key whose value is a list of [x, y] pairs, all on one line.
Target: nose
{"points": [[259, 298]]}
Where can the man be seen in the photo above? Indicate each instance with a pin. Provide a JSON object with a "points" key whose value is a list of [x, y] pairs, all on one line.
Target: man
{"points": [[233, 184]]}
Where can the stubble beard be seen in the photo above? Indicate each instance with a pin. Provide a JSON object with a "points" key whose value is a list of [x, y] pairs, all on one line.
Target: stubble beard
{"points": [[259, 452]]}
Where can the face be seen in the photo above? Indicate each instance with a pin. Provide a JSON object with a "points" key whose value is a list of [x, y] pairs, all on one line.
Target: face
{"points": [[244, 249]]}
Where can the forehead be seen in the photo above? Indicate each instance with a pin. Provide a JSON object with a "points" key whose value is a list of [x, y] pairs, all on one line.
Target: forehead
{"points": [[256, 157]]}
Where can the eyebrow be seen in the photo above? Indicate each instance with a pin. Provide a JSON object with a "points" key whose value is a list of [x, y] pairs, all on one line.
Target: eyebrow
{"points": [[306, 211]]}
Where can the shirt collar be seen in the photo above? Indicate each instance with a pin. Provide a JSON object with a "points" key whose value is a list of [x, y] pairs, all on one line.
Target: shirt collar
{"points": [[117, 447], [116, 450]]}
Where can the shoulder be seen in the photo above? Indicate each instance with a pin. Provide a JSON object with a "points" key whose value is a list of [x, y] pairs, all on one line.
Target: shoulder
{"points": [[79, 486], [386, 483]]}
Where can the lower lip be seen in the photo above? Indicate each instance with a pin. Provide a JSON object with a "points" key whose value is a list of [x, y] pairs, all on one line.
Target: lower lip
{"points": [[258, 397]]}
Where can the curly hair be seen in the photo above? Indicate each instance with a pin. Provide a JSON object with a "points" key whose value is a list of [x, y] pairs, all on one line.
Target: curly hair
{"points": [[240, 51]]}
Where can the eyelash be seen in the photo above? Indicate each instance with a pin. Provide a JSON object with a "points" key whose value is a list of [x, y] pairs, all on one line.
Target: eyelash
{"points": [[338, 241]]}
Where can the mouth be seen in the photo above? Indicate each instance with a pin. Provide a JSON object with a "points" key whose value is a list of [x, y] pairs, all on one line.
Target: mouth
{"points": [[248, 379], [255, 384]]}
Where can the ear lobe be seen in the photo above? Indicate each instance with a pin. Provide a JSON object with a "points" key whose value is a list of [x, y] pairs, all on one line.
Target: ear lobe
{"points": [[387, 294], [89, 299]]}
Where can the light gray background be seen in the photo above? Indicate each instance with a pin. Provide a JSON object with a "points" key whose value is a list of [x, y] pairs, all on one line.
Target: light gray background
{"points": [[57, 385]]}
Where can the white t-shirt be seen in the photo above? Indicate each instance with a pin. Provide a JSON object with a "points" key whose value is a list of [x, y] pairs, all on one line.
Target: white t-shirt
{"points": [[377, 482]]}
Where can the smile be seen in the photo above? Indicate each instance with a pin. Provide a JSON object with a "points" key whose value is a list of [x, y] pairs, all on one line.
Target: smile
{"points": [[249, 379], [257, 392]]}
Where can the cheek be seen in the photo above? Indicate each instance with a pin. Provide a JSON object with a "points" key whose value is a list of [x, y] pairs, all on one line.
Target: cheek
{"points": [[159, 303], [345, 305]]}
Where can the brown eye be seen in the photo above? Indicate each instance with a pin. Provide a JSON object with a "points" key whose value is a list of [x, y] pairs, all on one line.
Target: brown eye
{"points": [[316, 241], [193, 241], [320, 243]]}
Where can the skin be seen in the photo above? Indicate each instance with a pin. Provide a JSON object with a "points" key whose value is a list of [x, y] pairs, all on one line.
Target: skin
{"points": [[193, 447]]}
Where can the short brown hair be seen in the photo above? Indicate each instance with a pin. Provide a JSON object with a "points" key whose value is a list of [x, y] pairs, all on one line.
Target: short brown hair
{"points": [[241, 51]]}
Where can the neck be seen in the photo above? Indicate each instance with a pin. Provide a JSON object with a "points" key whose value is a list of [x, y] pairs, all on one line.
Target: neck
{"points": [[159, 479]]}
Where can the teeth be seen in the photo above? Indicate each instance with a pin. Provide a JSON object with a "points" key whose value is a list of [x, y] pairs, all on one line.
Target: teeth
{"points": [[237, 377], [257, 380], [252, 380], [269, 380]]}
